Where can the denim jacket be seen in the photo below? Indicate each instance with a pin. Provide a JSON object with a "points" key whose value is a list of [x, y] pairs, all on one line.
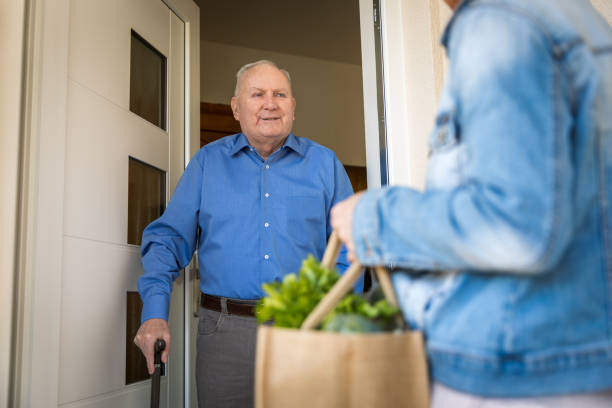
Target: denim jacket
{"points": [[510, 245]]}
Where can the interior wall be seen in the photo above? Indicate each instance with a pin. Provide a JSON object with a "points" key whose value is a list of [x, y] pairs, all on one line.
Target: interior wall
{"points": [[329, 94]]}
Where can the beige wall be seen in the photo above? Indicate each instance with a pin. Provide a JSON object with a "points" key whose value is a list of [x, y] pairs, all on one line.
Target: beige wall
{"points": [[329, 94]]}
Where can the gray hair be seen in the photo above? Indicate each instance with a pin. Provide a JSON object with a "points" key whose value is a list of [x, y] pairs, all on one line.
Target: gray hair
{"points": [[250, 65]]}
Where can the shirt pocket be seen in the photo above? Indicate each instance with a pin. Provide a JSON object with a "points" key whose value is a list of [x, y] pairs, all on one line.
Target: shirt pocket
{"points": [[306, 220], [447, 153]]}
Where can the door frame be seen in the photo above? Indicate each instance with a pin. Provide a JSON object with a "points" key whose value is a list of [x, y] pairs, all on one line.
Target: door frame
{"points": [[401, 83], [11, 80], [35, 341], [373, 97]]}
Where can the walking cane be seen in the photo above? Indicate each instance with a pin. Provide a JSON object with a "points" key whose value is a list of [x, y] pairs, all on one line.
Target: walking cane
{"points": [[160, 345]]}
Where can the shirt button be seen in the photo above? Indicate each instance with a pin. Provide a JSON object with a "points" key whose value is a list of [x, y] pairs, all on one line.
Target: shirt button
{"points": [[267, 195], [267, 166], [266, 256], [266, 225]]}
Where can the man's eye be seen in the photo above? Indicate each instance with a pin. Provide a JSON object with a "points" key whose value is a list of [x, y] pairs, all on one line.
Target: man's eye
{"points": [[280, 94], [258, 94]]}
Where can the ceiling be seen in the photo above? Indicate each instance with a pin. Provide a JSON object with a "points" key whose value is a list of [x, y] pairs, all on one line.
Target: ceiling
{"points": [[322, 29]]}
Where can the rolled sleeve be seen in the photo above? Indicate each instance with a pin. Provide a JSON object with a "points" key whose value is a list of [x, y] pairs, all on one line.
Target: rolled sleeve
{"points": [[365, 229]]}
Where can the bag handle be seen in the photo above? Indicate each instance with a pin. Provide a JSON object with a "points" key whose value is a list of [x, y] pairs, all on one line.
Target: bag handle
{"points": [[344, 284]]}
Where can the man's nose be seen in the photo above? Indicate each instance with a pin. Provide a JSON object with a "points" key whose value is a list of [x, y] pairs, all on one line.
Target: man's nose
{"points": [[269, 102]]}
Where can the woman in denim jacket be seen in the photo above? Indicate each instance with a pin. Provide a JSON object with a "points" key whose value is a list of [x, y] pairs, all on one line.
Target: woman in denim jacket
{"points": [[513, 235]]}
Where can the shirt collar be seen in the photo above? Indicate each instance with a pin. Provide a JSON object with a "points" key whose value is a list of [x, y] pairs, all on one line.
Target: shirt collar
{"points": [[240, 142], [446, 34], [295, 144], [292, 142]]}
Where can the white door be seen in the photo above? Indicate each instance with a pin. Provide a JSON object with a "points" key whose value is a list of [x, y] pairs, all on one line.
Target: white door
{"points": [[113, 158]]}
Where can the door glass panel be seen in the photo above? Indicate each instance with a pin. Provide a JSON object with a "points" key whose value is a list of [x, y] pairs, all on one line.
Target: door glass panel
{"points": [[135, 362], [147, 82], [146, 198]]}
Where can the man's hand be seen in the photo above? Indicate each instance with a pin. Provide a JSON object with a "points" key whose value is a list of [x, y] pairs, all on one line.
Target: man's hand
{"points": [[342, 223], [147, 335]]}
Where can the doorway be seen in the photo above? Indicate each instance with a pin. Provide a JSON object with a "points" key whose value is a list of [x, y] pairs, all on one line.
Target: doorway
{"points": [[318, 42], [391, 93]]}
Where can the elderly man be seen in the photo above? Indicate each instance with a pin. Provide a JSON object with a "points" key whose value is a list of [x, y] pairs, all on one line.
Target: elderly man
{"points": [[254, 204], [517, 210]]}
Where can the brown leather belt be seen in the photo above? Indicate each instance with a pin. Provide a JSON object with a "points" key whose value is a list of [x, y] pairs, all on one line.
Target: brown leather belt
{"points": [[233, 307]]}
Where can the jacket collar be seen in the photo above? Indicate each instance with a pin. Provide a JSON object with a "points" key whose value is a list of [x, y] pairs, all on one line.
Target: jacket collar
{"points": [[446, 34]]}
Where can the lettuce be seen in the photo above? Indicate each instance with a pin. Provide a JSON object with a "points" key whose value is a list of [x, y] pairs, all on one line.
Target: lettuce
{"points": [[288, 303]]}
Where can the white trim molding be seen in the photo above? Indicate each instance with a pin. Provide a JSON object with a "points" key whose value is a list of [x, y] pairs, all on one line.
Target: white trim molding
{"points": [[11, 81], [41, 213], [410, 96]]}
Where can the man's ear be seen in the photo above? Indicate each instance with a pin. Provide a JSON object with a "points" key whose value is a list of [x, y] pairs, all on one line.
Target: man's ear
{"points": [[234, 104], [294, 104]]}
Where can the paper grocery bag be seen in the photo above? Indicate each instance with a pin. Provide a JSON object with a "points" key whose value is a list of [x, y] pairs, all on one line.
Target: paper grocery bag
{"points": [[307, 368], [310, 369]]}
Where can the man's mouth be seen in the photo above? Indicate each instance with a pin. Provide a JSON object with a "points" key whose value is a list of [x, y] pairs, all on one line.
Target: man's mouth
{"points": [[269, 119]]}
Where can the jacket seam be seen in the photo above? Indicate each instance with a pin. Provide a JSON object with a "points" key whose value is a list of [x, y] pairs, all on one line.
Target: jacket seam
{"points": [[554, 224], [605, 224]]}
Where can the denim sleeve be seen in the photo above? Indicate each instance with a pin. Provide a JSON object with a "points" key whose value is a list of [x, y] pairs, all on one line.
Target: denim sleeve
{"points": [[510, 208], [168, 243]]}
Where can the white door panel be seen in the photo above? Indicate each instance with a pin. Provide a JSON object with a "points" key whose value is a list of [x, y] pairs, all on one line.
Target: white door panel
{"points": [[133, 396], [100, 138], [94, 283], [151, 21], [100, 42]]}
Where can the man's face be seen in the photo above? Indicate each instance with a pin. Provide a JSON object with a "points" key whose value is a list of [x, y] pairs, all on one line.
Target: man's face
{"points": [[264, 106]]}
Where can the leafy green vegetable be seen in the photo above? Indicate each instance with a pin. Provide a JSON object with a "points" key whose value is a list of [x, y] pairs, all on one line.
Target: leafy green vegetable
{"points": [[351, 323], [289, 302]]}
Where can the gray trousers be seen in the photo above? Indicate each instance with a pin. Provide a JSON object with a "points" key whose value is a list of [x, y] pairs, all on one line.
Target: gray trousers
{"points": [[225, 359]]}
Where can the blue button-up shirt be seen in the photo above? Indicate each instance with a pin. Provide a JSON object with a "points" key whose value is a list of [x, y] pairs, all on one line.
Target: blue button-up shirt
{"points": [[253, 220]]}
